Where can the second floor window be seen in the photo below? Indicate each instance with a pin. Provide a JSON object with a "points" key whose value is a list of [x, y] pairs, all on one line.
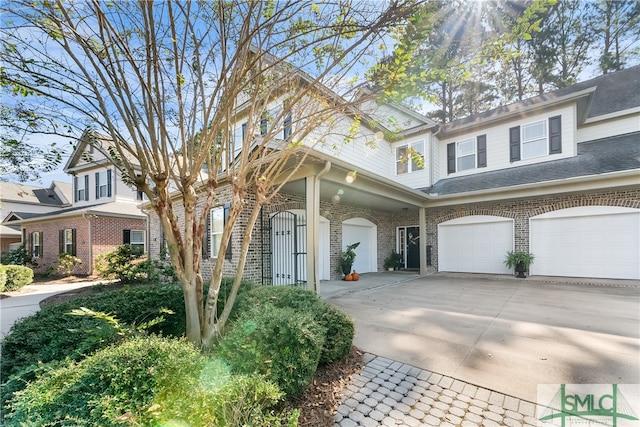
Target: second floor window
{"points": [[410, 158], [81, 188], [103, 184], [466, 155], [534, 140]]}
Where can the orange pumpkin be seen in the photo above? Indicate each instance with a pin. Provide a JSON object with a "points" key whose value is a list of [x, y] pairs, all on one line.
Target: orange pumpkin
{"points": [[348, 277], [355, 276]]}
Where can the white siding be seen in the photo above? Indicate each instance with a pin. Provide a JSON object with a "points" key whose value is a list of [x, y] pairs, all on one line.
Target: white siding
{"points": [[498, 142], [603, 129]]}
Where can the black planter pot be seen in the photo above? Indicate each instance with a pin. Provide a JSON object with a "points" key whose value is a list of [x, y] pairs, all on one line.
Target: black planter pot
{"points": [[521, 269], [346, 269]]}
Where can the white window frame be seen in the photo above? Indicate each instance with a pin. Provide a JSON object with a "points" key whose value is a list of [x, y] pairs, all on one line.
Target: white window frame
{"points": [[542, 140], [215, 233], [82, 189], [68, 241], [35, 244], [472, 143], [103, 184], [405, 162], [139, 241]]}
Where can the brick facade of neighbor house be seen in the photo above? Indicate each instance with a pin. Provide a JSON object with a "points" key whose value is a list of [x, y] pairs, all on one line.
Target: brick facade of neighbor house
{"points": [[106, 233], [522, 210]]}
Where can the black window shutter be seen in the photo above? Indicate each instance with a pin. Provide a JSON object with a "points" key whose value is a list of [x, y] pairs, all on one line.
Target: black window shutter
{"points": [[206, 241], [263, 125], [514, 144], [75, 188], [86, 187], [108, 182], [451, 157], [482, 151], [126, 237], [228, 254], [287, 125], [244, 131], [555, 135], [73, 241], [41, 247], [97, 185], [61, 241]]}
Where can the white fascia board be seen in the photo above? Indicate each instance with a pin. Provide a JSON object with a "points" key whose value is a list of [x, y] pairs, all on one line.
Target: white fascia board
{"points": [[614, 115]]}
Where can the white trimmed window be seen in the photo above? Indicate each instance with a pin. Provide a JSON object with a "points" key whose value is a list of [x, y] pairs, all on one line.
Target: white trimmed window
{"points": [[138, 240], [216, 227], [406, 158], [534, 139], [68, 241], [466, 154], [36, 244]]}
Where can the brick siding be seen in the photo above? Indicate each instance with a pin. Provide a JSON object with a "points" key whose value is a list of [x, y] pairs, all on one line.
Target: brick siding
{"points": [[106, 234], [520, 210]]}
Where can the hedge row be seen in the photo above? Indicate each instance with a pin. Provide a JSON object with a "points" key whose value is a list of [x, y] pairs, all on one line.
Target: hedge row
{"points": [[14, 277]]}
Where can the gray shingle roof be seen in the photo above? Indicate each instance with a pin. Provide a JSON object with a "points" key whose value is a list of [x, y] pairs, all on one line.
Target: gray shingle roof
{"points": [[614, 92], [611, 154], [21, 193]]}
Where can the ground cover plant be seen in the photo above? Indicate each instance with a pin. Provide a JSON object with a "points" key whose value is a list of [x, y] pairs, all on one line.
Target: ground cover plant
{"points": [[280, 328], [147, 380]]}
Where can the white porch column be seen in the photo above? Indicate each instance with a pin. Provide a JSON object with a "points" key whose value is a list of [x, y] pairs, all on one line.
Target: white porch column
{"points": [[312, 184], [423, 240]]}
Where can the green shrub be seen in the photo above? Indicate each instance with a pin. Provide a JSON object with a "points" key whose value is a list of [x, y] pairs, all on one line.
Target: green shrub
{"points": [[125, 263], [18, 256], [146, 381], [340, 328], [281, 343], [66, 263], [15, 277]]}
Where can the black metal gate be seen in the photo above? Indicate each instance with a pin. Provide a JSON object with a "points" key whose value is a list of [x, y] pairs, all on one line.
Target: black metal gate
{"points": [[284, 249]]}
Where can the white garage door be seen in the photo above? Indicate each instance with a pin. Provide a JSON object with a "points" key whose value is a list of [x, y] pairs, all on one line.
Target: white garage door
{"points": [[590, 241], [475, 244], [364, 231]]}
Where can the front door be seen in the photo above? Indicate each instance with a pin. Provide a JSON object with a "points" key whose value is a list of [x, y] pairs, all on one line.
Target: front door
{"points": [[409, 247]]}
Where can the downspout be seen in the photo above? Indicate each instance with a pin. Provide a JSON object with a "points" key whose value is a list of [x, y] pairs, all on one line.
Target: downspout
{"points": [[313, 227], [90, 241]]}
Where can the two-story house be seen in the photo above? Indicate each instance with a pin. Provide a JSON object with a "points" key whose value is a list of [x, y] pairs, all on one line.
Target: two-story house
{"points": [[557, 175], [104, 213]]}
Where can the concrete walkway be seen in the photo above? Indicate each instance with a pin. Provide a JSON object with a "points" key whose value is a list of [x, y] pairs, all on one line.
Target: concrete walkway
{"points": [[453, 349], [25, 302]]}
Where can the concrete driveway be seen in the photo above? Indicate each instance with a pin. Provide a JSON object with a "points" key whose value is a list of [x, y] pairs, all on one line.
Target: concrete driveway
{"points": [[503, 334]]}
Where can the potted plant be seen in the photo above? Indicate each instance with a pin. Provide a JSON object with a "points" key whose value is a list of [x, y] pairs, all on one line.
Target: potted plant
{"points": [[392, 261], [519, 260], [347, 257]]}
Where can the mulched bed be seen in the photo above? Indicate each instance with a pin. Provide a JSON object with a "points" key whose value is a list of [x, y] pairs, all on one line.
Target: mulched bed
{"points": [[318, 404]]}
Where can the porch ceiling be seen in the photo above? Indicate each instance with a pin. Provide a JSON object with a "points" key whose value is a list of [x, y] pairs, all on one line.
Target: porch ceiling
{"points": [[351, 195]]}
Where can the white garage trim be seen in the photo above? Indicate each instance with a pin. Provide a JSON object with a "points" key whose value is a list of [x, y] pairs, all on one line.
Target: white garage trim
{"points": [[366, 232], [589, 241], [475, 244]]}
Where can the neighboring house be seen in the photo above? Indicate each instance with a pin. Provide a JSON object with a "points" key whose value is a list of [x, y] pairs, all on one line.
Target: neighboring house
{"points": [[104, 213], [557, 175], [16, 198]]}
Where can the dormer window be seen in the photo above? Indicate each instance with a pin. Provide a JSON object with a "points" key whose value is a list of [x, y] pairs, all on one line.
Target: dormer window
{"points": [[535, 139]]}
